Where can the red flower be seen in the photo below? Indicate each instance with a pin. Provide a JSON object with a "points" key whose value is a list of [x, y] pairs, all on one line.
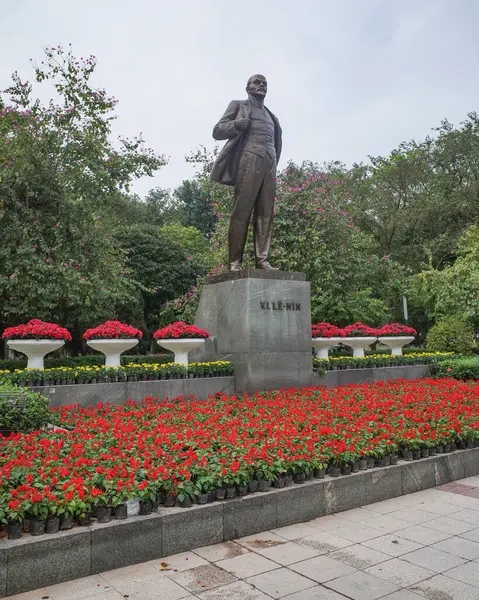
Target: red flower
{"points": [[326, 330], [112, 330], [37, 330], [360, 330], [393, 329], [180, 330]]}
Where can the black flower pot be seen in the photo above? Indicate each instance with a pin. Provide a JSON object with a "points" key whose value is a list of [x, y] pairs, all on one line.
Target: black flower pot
{"points": [[334, 471], [103, 514], [469, 444], [187, 502], [416, 454], [432, 451], [170, 500], [299, 477], [424, 452], [380, 462], [288, 480], [363, 464], [220, 493], [461, 445], [387, 460], [121, 511], [212, 496], [394, 459], [52, 525], [14, 530], [453, 447], [146, 508], [230, 492], [319, 473], [447, 447], [155, 504], [66, 521], [202, 498], [37, 527], [439, 449], [264, 486], [346, 469], [309, 476], [241, 490], [27, 523], [371, 461], [407, 454], [84, 521], [253, 486], [355, 467], [278, 482]]}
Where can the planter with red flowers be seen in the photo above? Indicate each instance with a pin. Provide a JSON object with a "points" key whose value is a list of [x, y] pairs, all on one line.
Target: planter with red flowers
{"points": [[181, 338], [112, 338], [36, 339], [358, 337], [396, 335], [324, 337]]}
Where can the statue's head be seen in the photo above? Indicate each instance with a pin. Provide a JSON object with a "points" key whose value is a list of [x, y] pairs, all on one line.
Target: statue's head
{"points": [[257, 86]]}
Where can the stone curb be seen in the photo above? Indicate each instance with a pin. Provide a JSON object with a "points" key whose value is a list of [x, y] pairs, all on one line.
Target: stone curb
{"points": [[34, 562]]}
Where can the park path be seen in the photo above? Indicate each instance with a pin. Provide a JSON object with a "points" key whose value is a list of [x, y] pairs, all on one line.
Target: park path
{"points": [[424, 545]]}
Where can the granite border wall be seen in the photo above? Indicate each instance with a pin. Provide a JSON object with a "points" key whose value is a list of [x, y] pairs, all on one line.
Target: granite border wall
{"points": [[34, 562], [118, 393], [357, 376]]}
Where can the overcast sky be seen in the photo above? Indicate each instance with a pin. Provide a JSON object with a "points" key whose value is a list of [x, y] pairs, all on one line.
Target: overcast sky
{"points": [[347, 78]]}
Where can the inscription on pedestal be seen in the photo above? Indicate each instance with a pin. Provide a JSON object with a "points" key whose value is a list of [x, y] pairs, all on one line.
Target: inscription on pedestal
{"points": [[279, 305]]}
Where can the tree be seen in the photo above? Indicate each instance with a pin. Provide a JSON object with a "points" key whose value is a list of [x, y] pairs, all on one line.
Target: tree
{"points": [[59, 177], [195, 207]]}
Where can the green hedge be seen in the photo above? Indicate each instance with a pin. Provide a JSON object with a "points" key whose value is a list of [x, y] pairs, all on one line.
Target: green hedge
{"points": [[90, 360], [375, 361], [464, 368], [368, 351], [22, 410]]}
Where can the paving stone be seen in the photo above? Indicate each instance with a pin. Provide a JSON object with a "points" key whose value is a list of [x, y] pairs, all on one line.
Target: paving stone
{"points": [[357, 532], [362, 586], [324, 542], [445, 588], [322, 568], [318, 592], [202, 578], [423, 535], [234, 591], [400, 572], [111, 595], [449, 525], [392, 545], [327, 523], [152, 588], [433, 559], [221, 551], [79, 588], [437, 507], [293, 532], [471, 535], [359, 515], [132, 574], [403, 595], [288, 553], [247, 565], [468, 516], [388, 523], [389, 506], [359, 556], [280, 583], [265, 539], [467, 573], [459, 547], [178, 562], [411, 516]]}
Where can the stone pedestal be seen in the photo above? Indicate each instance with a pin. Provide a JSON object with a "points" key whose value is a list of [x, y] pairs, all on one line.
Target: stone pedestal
{"points": [[261, 322]]}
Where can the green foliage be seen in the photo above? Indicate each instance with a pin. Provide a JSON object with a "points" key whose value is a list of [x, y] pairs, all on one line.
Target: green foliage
{"points": [[463, 368], [59, 177], [86, 361], [22, 410], [191, 240], [194, 206], [451, 334]]}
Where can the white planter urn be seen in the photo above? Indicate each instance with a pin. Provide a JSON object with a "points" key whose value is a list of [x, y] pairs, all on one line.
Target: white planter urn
{"points": [[112, 349], [358, 344], [181, 347], [396, 342], [321, 346], [35, 350]]}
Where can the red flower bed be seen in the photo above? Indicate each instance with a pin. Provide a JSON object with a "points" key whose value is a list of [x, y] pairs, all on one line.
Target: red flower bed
{"points": [[326, 330], [180, 330], [37, 330], [360, 330], [189, 447], [112, 330], [396, 329]]}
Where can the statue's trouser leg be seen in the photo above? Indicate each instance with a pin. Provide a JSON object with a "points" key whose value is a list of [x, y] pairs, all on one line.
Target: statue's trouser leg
{"points": [[249, 179], [263, 213]]}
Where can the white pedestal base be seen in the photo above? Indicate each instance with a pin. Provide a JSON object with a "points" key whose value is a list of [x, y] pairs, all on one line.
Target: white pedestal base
{"points": [[396, 342], [112, 349], [35, 350], [181, 347], [322, 345], [358, 344]]}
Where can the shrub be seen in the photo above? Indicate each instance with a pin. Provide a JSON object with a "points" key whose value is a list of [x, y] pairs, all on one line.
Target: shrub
{"points": [[459, 368], [451, 334], [22, 410], [90, 360]]}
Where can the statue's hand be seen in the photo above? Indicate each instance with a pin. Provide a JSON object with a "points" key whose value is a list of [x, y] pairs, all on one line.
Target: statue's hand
{"points": [[242, 124]]}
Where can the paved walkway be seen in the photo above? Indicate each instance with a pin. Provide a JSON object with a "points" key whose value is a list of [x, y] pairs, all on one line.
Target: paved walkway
{"points": [[425, 545]]}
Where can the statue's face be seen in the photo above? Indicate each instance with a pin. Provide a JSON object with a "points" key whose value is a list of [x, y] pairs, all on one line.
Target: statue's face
{"points": [[257, 86]]}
